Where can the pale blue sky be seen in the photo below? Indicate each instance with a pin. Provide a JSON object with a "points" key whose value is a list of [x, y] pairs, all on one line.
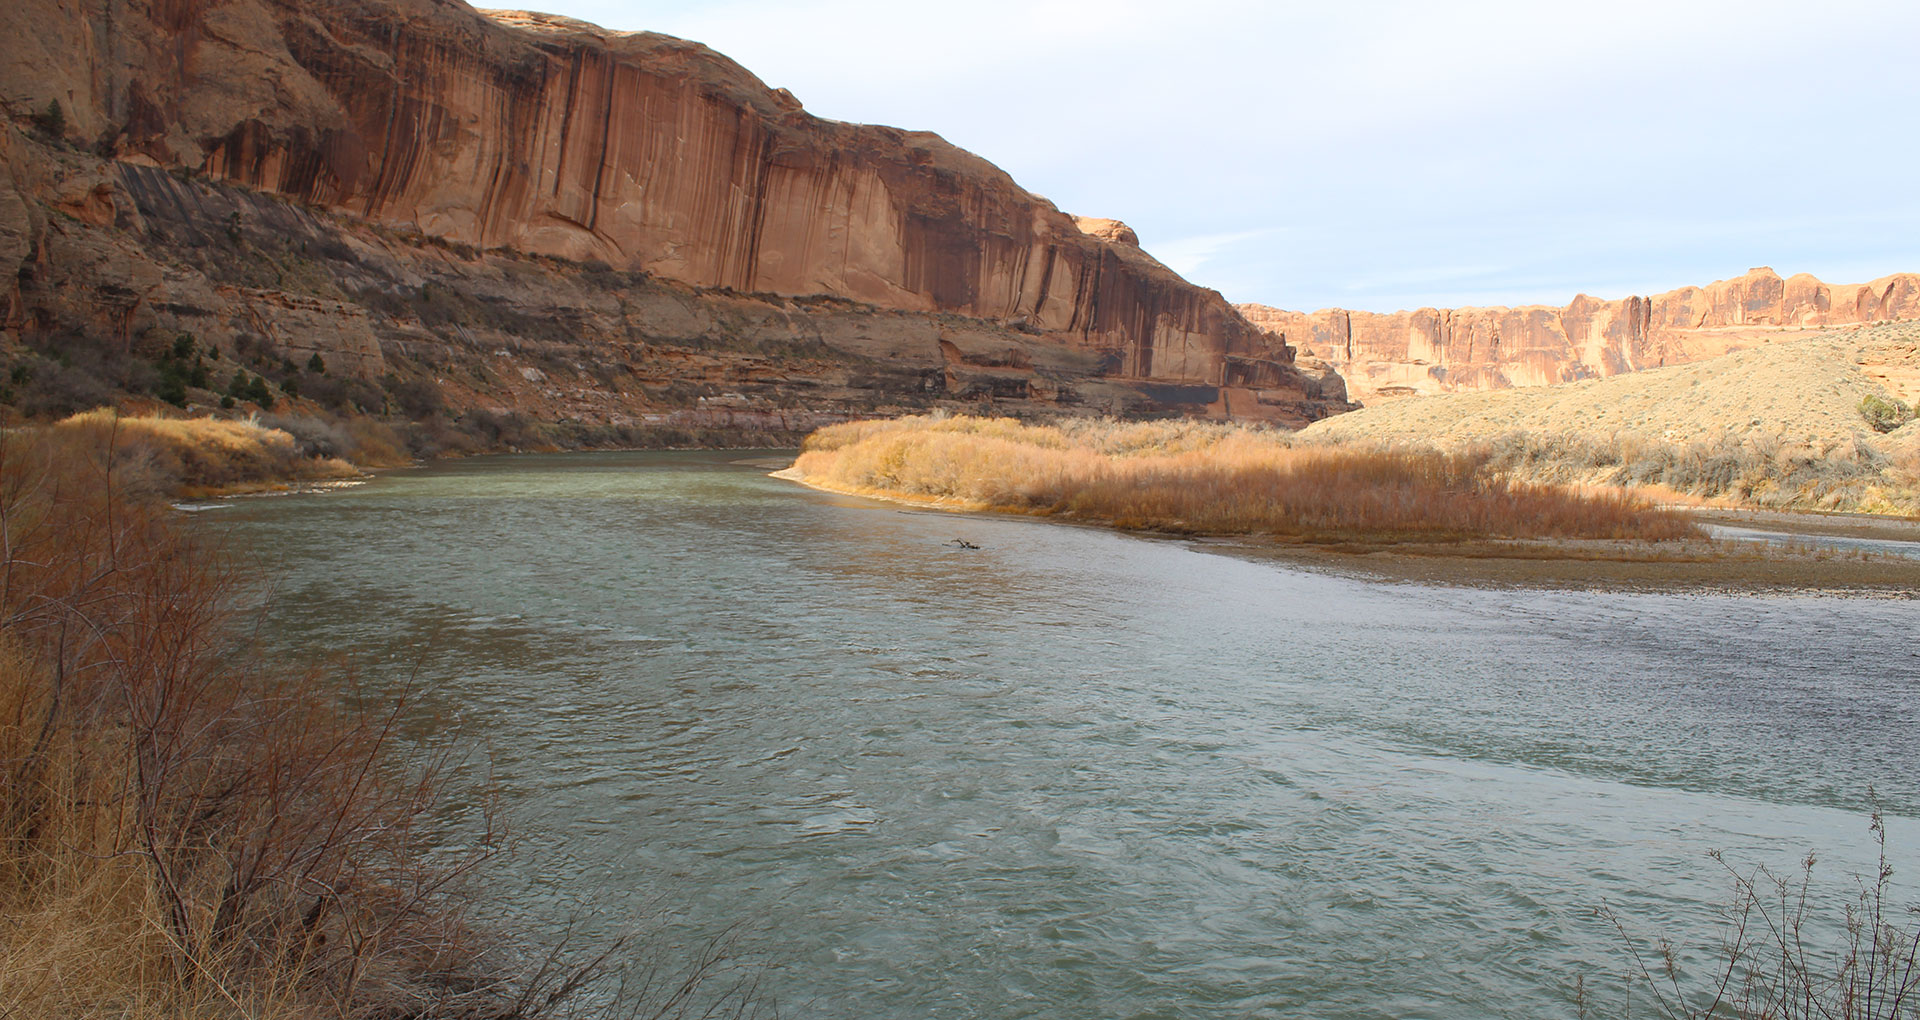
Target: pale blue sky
{"points": [[1381, 155]]}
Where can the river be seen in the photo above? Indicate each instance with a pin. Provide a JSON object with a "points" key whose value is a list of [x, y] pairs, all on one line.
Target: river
{"points": [[1075, 773]]}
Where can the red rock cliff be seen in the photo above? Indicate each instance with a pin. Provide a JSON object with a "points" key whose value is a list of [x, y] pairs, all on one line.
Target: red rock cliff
{"points": [[550, 136], [1433, 350]]}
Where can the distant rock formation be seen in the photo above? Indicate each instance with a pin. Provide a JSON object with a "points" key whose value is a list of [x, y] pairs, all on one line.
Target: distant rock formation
{"points": [[1434, 350], [546, 136]]}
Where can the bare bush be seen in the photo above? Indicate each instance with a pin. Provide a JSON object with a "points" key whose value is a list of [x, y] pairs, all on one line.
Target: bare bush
{"points": [[187, 830], [1782, 958], [186, 825], [314, 437]]}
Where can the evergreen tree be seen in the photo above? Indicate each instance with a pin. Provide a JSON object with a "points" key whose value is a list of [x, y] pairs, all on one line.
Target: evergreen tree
{"points": [[258, 392]]}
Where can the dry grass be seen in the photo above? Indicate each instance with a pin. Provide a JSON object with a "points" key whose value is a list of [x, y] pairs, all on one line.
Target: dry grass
{"points": [[197, 456], [1213, 479], [1758, 470], [184, 831]]}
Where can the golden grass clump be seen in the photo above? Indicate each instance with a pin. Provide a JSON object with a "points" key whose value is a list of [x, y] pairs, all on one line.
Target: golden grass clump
{"points": [[197, 456], [1199, 477]]}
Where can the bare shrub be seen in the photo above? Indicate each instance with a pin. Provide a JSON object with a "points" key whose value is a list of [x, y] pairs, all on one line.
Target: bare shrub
{"points": [[314, 437], [375, 443], [1782, 958], [187, 831], [184, 825]]}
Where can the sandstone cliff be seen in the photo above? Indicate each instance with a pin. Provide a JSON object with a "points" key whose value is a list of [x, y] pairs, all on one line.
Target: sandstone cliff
{"points": [[1434, 350], [528, 134]]}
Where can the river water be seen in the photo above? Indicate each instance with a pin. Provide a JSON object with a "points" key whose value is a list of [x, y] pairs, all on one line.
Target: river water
{"points": [[1074, 773]]}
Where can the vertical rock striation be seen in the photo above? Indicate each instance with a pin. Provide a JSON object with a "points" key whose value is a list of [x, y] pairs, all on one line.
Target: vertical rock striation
{"points": [[549, 136]]}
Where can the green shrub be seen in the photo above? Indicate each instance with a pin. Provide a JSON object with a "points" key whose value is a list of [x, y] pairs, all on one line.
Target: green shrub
{"points": [[245, 387], [172, 387], [258, 392], [1883, 414]]}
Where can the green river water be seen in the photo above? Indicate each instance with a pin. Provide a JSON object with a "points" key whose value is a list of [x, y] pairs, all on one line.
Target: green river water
{"points": [[1074, 773]]}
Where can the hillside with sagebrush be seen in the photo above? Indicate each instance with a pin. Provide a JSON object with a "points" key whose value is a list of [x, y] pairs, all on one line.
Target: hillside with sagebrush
{"points": [[1803, 424]]}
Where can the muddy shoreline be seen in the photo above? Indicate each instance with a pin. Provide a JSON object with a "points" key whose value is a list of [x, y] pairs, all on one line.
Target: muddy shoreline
{"points": [[1697, 566]]}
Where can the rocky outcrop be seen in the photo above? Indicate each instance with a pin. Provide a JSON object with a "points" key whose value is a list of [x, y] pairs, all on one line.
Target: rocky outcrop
{"points": [[1107, 230], [540, 135], [16, 237], [1435, 350]]}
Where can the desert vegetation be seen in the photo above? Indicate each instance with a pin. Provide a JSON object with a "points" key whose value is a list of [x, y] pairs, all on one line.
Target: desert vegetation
{"points": [[1787, 953], [199, 456], [1884, 414], [1187, 476], [188, 830], [1757, 469], [1810, 423]]}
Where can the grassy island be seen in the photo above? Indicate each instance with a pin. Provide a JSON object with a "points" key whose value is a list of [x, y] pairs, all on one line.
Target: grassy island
{"points": [[1200, 478]]}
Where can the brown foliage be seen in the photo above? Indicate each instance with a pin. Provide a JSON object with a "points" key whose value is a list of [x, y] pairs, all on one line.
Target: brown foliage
{"points": [[1754, 469], [183, 830], [1217, 479]]}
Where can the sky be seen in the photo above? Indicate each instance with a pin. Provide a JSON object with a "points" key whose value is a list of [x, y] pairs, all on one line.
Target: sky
{"points": [[1385, 155]]}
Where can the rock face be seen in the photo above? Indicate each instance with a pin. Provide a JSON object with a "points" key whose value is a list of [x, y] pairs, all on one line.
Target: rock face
{"points": [[482, 343], [1435, 350], [541, 135], [1107, 230]]}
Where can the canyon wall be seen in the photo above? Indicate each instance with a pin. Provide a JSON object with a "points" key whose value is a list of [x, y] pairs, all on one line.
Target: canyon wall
{"points": [[541, 135], [1435, 350]]}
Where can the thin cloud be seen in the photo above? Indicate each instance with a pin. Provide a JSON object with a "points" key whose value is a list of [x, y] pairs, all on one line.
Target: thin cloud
{"points": [[1189, 256], [1390, 143]]}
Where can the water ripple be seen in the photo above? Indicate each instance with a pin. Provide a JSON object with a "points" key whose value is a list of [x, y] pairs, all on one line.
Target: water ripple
{"points": [[1080, 774]]}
